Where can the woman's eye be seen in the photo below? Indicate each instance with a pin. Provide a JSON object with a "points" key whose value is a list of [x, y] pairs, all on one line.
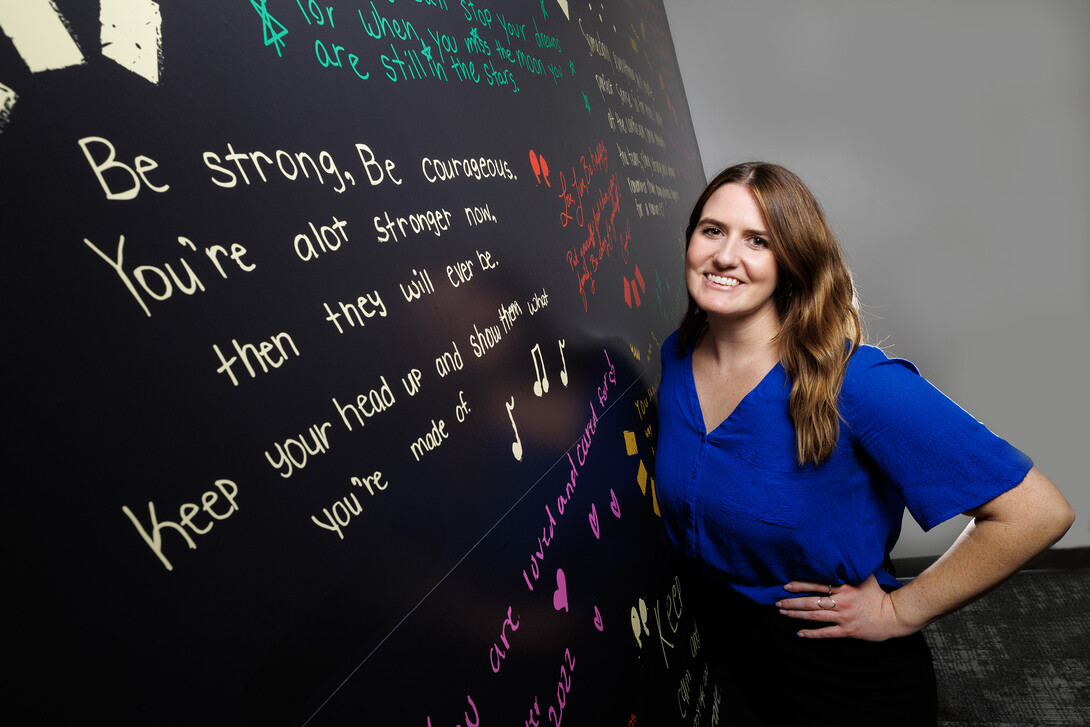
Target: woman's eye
{"points": [[758, 242], [712, 231]]}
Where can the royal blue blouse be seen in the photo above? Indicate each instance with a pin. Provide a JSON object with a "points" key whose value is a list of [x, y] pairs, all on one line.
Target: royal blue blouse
{"points": [[736, 503]]}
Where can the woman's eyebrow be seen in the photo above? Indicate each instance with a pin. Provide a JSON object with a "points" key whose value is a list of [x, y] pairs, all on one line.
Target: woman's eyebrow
{"points": [[717, 223]]}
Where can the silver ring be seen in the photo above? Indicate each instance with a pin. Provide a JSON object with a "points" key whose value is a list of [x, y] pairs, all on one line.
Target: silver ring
{"points": [[822, 607], [830, 589]]}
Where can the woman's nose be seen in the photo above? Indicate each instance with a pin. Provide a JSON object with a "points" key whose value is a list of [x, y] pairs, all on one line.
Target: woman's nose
{"points": [[727, 254]]}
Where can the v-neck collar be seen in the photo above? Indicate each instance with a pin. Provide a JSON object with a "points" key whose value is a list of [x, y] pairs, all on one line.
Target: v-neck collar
{"points": [[697, 412]]}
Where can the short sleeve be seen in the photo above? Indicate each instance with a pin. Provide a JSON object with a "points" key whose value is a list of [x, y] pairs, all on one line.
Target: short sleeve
{"points": [[939, 458]]}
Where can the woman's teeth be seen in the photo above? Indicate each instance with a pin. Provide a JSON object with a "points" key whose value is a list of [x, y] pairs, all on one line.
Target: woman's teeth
{"points": [[730, 282]]}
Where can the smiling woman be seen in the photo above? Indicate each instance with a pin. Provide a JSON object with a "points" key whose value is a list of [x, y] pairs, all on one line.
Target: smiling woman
{"points": [[730, 270], [813, 309], [788, 453]]}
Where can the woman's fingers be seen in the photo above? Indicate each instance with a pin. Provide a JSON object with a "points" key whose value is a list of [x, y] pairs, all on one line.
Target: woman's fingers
{"points": [[809, 587], [816, 608], [862, 612]]}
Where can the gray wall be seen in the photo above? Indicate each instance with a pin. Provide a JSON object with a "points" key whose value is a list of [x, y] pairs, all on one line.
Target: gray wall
{"points": [[949, 141]]}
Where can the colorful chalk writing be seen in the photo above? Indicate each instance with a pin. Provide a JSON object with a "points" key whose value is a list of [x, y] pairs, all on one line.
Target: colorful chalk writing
{"points": [[563, 688], [496, 654], [355, 314], [274, 31], [327, 52], [287, 166], [324, 275], [582, 452], [185, 525], [260, 357], [341, 513], [489, 50], [159, 281], [475, 721], [671, 299], [604, 232], [453, 168], [292, 454], [667, 610]]}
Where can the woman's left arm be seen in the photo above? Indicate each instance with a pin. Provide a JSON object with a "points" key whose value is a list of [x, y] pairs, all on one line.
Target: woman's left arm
{"points": [[1004, 534]]}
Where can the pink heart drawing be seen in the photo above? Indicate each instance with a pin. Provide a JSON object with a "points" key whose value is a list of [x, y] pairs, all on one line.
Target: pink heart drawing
{"points": [[593, 517], [598, 619], [560, 597], [615, 506]]}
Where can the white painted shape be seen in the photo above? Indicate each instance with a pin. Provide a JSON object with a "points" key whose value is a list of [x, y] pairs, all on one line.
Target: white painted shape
{"points": [[37, 30], [7, 101], [132, 35], [564, 6]]}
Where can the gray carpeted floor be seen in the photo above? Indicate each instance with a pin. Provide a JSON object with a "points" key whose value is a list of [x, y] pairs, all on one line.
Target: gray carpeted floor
{"points": [[1019, 657]]}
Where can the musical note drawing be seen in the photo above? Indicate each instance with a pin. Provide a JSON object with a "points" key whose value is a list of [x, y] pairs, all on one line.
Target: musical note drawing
{"points": [[516, 446], [542, 384], [564, 370]]}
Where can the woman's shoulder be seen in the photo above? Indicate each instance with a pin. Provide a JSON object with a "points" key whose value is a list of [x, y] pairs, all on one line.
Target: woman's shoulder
{"points": [[671, 340], [670, 351], [870, 361], [872, 373]]}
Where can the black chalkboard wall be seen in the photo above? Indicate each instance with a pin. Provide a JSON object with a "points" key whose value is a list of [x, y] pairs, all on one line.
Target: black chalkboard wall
{"points": [[332, 343]]}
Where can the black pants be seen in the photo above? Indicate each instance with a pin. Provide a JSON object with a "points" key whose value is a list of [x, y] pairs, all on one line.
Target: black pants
{"points": [[785, 679]]}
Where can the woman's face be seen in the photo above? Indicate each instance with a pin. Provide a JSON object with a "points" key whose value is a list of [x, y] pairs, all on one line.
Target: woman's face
{"points": [[730, 270]]}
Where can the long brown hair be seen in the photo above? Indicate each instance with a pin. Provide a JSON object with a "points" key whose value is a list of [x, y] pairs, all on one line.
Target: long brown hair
{"points": [[820, 327]]}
